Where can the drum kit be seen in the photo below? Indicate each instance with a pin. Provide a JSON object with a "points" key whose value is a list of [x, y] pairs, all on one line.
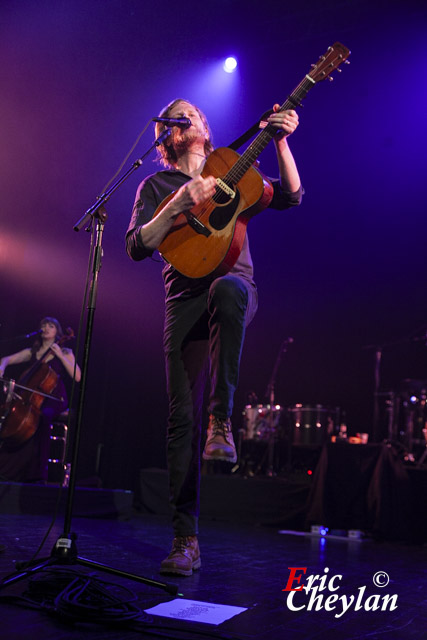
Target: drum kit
{"points": [[400, 415], [268, 430], [403, 419], [310, 424]]}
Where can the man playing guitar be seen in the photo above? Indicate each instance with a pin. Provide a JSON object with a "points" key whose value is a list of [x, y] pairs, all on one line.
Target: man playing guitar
{"points": [[206, 315]]}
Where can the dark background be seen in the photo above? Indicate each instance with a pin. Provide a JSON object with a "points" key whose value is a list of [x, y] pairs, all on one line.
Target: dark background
{"points": [[79, 81]]}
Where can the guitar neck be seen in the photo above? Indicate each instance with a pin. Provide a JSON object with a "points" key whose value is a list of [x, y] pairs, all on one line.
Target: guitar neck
{"points": [[258, 145]]}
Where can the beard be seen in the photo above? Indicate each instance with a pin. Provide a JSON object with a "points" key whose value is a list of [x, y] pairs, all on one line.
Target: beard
{"points": [[183, 139]]}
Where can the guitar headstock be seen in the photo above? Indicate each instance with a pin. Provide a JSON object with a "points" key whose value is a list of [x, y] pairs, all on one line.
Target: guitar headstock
{"points": [[331, 60]]}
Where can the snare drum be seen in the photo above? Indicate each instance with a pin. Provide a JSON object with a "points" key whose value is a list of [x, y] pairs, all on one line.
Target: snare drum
{"points": [[311, 424], [260, 422]]}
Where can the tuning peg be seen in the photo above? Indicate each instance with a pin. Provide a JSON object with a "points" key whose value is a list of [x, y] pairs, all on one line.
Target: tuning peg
{"points": [[330, 78], [347, 62], [339, 70]]}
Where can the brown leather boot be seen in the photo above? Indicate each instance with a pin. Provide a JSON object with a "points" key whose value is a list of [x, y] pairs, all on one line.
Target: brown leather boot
{"points": [[183, 558], [219, 442]]}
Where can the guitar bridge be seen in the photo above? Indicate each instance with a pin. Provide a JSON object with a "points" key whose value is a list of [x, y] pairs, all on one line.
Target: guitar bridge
{"points": [[198, 226]]}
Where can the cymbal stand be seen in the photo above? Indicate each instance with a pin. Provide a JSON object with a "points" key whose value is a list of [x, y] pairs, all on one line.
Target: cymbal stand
{"points": [[65, 549], [378, 350], [424, 455], [377, 379]]}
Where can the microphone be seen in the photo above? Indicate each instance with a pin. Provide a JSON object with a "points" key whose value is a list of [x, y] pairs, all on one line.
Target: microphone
{"points": [[33, 333], [183, 123]]}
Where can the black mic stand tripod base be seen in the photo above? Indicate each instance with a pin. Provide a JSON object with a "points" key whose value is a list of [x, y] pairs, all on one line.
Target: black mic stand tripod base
{"points": [[64, 551]]}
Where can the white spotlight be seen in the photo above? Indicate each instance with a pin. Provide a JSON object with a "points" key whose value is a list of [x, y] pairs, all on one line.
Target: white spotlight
{"points": [[230, 65]]}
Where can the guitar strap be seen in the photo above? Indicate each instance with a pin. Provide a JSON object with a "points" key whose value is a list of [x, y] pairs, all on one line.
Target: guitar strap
{"points": [[250, 132]]}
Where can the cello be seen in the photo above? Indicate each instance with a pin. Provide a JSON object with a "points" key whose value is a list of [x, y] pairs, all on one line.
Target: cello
{"points": [[20, 415]]}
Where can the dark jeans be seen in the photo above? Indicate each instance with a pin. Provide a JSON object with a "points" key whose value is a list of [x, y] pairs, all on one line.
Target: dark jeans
{"points": [[203, 336]]}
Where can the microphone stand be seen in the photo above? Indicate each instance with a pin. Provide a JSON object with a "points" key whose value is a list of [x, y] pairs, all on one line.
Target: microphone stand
{"points": [[65, 549], [269, 393]]}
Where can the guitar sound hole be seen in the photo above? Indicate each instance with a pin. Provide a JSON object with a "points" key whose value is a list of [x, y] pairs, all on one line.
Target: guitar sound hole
{"points": [[221, 216]]}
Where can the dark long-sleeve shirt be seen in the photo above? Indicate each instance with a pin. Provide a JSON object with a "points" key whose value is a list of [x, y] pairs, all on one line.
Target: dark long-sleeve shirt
{"points": [[150, 193]]}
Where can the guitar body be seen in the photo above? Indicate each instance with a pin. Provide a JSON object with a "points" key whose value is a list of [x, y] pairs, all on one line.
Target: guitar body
{"points": [[197, 254]]}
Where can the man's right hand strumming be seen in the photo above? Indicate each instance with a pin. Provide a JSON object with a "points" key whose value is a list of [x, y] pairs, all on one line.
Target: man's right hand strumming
{"points": [[191, 193]]}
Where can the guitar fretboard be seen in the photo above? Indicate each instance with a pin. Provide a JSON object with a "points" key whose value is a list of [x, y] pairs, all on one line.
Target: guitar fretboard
{"points": [[258, 145]]}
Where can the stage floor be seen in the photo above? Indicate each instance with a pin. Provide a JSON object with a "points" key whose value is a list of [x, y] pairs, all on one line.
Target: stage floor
{"points": [[242, 565]]}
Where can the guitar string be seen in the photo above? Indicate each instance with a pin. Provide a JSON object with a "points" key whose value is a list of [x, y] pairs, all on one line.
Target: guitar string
{"points": [[246, 160], [264, 137]]}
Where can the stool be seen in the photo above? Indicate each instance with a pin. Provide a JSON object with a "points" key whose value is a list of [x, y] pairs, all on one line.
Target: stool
{"points": [[57, 469]]}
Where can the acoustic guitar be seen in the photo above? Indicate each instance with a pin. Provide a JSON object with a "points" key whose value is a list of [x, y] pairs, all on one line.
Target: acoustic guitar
{"points": [[208, 238]]}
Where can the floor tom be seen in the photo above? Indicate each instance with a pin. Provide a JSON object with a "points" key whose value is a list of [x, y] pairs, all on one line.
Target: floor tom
{"points": [[312, 424]]}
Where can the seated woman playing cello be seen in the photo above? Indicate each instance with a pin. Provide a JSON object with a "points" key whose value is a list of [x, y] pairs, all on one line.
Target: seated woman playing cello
{"points": [[24, 432]]}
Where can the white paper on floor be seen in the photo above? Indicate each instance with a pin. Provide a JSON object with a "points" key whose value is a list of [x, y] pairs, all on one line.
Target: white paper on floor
{"points": [[195, 610]]}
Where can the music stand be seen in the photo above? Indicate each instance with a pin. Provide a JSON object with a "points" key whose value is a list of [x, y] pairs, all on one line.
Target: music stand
{"points": [[65, 549]]}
